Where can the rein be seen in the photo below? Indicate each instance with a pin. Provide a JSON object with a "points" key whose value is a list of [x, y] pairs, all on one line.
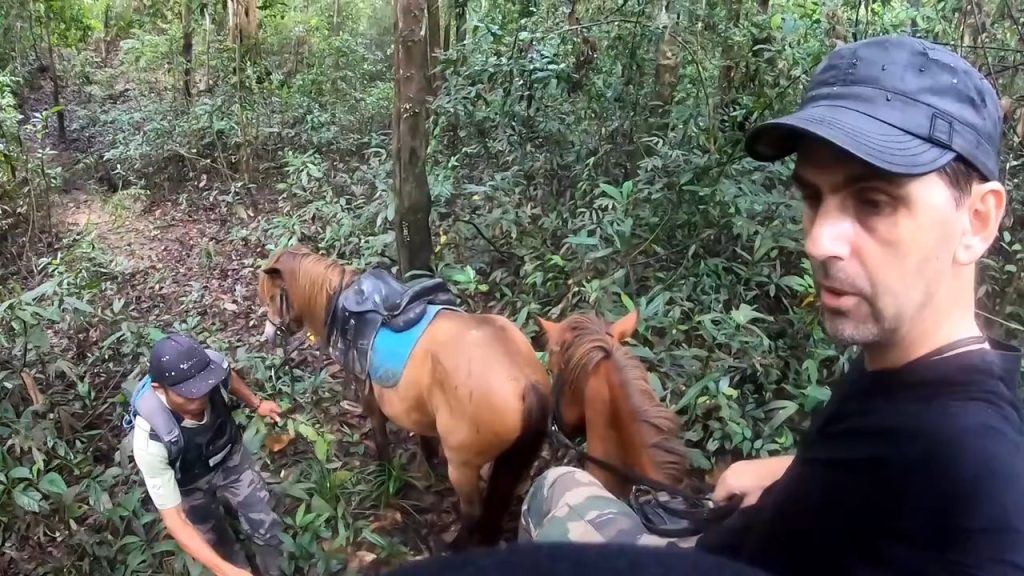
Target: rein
{"points": [[283, 331], [682, 515]]}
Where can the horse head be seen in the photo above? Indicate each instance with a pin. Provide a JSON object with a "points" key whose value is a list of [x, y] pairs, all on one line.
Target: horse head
{"points": [[603, 391], [294, 287]]}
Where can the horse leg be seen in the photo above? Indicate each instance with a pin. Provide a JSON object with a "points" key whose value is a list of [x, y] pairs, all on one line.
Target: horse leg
{"points": [[430, 451], [379, 425], [465, 479]]}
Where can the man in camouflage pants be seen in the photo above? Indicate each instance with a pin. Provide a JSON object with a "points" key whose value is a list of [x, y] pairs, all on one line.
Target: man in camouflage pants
{"points": [[567, 504], [243, 487], [190, 452]]}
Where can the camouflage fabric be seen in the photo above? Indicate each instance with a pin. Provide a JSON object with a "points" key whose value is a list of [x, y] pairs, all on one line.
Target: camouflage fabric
{"points": [[238, 482], [567, 504]]}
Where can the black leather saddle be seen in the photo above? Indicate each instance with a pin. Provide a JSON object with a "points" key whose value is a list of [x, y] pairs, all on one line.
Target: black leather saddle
{"points": [[376, 298]]}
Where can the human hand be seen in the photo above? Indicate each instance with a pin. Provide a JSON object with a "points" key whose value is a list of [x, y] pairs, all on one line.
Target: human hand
{"points": [[269, 409], [749, 478]]}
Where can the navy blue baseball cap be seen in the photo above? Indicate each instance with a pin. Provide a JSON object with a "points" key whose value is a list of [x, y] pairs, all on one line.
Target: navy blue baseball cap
{"points": [[180, 364], [904, 105]]}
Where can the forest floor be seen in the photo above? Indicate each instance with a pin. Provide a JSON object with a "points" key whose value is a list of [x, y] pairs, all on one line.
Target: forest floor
{"points": [[183, 260]]}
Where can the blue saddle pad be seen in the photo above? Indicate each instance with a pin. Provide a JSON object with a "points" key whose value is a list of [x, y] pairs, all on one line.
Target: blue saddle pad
{"points": [[391, 350]]}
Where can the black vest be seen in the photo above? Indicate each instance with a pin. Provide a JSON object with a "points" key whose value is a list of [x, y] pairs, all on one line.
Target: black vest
{"points": [[204, 448]]}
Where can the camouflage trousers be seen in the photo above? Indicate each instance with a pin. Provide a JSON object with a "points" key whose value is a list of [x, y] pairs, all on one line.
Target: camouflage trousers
{"points": [[237, 482], [566, 504]]}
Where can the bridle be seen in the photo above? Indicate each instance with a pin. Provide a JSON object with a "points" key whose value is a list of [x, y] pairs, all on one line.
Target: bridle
{"points": [[679, 515], [282, 331]]}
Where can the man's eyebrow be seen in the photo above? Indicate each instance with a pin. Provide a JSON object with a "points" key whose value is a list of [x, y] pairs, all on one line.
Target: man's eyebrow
{"points": [[868, 177], [852, 180]]}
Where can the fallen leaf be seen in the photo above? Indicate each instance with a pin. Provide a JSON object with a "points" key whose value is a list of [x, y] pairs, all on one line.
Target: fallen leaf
{"points": [[277, 442], [361, 559], [33, 390], [390, 519], [230, 307], [352, 407]]}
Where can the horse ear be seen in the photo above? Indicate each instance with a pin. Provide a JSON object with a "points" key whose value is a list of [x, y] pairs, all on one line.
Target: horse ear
{"points": [[272, 271], [625, 326], [547, 327]]}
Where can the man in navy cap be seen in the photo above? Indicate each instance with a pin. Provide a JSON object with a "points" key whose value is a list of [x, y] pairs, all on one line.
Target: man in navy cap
{"points": [[916, 463], [190, 452]]}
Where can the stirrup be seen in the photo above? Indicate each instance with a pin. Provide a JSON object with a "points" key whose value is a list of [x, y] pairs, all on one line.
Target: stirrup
{"points": [[673, 516]]}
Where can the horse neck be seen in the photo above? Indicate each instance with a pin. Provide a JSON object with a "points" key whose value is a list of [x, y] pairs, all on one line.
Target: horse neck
{"points": [[614, 433], [313, 302]]}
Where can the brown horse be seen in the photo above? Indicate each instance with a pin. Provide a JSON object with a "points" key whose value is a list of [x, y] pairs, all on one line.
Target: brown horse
{"points": [[598, 382], [473, 381]]}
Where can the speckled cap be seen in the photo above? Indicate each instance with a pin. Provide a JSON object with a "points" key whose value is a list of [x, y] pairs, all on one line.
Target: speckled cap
{"points": [[180, 364]]}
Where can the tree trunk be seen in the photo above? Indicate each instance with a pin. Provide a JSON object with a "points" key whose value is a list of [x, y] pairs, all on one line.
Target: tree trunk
{"points": [[460, 20], [207, 80], [409, 138], [243, 21], [730, 53], [186, 48], [434, 45], [449, 26], [55, 81], [105, 46], [666, 69]]}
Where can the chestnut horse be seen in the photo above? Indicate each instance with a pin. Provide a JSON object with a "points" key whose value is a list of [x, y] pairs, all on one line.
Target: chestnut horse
{"points": [[598, 382], [473, 381]]}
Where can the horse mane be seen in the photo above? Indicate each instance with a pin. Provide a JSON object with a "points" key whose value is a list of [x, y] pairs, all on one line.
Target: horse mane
{"points": [[314, 278], [587, 343]]}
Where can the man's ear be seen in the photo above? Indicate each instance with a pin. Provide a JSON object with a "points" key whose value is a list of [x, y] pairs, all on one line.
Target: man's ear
{"points": [[624, 327], [985, 210]]}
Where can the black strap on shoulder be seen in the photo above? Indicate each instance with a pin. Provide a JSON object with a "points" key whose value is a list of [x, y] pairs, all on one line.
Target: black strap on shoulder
{"points": [[954, 345]]}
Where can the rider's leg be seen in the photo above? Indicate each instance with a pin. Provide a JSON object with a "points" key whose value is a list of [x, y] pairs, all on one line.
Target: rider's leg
{"points": [[568, 504]]}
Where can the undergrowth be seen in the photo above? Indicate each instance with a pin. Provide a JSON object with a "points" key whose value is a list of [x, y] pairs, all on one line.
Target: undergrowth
{"points": [[560, 182]]}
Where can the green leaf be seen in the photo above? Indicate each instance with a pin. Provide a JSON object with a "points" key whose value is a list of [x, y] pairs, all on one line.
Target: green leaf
{"points": [[745, 313], [19, 472], [78, 304], [781, 415], [46, 287], [28, 498], [582, 240], [321, 447], [627, 301], [53, 483], [612, 191], [320, 506], [655, 382]]}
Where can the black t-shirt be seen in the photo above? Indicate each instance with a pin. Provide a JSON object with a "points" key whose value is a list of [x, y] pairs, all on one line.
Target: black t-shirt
{"points": [[568, 559], [913, 470]]}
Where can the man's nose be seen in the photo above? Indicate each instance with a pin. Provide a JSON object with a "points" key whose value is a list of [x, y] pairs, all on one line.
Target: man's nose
{"points": [[828, 232]]}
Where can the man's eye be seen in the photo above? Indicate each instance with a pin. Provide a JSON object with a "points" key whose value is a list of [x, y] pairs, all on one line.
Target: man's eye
{"points": [[873, 203]]}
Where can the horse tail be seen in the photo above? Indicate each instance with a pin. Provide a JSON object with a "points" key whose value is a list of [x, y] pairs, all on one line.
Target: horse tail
{"points": [[512, 465]]}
